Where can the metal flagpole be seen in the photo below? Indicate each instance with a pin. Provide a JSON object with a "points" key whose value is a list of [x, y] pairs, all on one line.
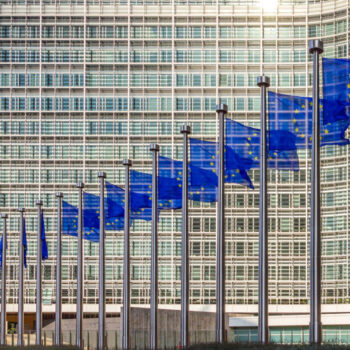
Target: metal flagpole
{"points": [[263, 328], [58, 314], [315, 48], [221, 110], [101, 267], [185, 130], [154, 148], [38, 320], [20, 324], [126, 260], [80, 268], [3, 283]]}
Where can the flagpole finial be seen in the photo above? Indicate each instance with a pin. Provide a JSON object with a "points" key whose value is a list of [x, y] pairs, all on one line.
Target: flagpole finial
{"points": [[101, 174], [263, 80], [185, 129], [127, 162], [59, 194], [4, 216], [221, 108], [39, 202], [80, 184], [315, 45], [154, 147], [21, 210]]}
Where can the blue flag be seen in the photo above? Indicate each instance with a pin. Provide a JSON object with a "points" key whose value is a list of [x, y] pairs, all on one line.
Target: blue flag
{"points": [[336, 89], [114, 213], [70, 223], [114, 216], [44, 251], [24, 242], [141, 214], [116, 200], [1, 246], [170, 168], [141, 183], [91, 216], [294, 114], [204, 155], [69, 219], [245, 141]]}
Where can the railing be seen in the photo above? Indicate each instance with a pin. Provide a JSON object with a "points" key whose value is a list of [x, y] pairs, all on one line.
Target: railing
{"points": [[169, 339], [139, 339]]}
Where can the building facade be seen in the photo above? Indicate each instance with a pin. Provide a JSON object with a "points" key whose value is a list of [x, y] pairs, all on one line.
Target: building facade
{"points": [[86, 83]]}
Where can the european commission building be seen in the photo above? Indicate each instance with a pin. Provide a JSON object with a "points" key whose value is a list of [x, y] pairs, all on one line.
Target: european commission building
{"points": [[87, 83]]}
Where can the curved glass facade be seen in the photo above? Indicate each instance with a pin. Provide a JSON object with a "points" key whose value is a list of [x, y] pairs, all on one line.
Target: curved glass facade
{"points": [[86, 83]]}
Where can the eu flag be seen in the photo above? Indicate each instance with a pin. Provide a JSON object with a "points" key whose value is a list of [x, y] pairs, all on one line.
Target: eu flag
{"points": [[114, 209], [245, 141], [204, 155], [91, 216], [336, 89], [44, 251], [70, 223], [1, 246], [116, 201], [24, 242], [69, 219], [294, 114], [141, 183], [170, 168], [141, 214]]}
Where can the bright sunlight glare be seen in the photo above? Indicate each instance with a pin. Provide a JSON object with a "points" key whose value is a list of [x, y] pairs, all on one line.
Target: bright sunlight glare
{"points": [[269, 5]]}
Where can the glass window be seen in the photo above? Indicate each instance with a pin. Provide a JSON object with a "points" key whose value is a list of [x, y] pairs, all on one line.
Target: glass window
{"points": [[270, 33], [314, 30], [299, 32], [269, 56], [284, 79], [196, 32], [225, 32], [299, 79], [240, 56], [254, 56], [239, 32], [299, 55], [210, 32], [284, 56], [181, 32], [254, 32], [284, 32]]}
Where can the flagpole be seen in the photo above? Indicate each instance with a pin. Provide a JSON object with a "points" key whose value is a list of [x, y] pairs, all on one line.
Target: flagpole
{"points": [[315, 48], [80, 268], [20, 324], [263, 328], [221, 110], [38, 320], [185, 298], [126, 260], [3, 282], [101, 267], [154, 148], [58, 314]]}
